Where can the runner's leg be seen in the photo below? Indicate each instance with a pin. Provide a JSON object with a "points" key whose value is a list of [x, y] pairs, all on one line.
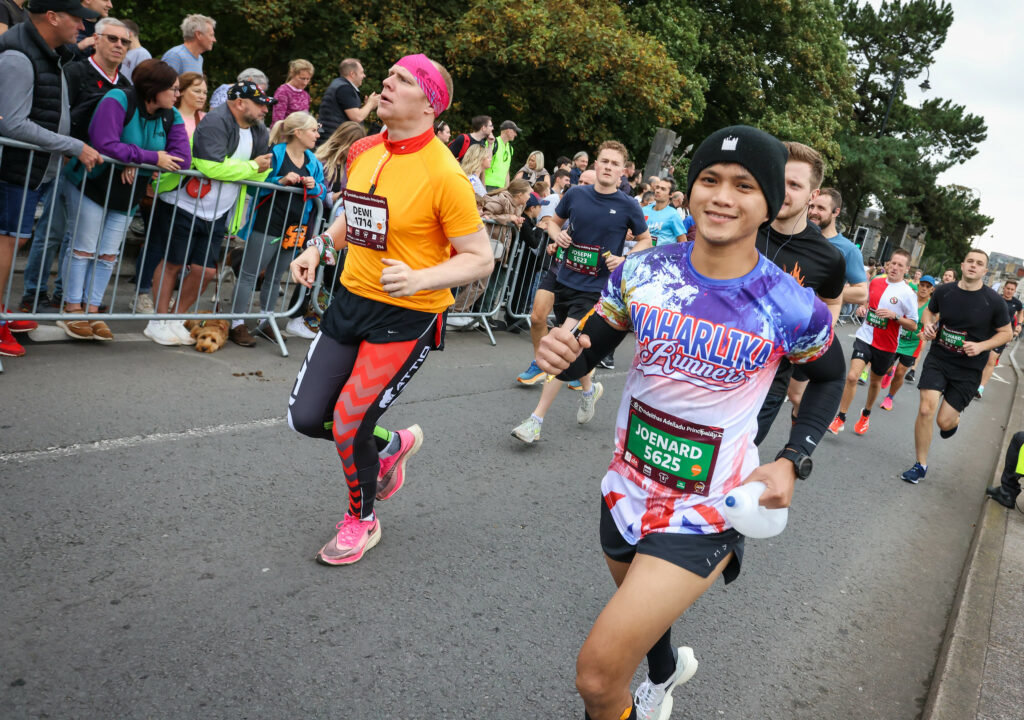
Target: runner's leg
{"points": [[653, 594], [923, 425], [850, 389], [990, 366], [543, 301]]}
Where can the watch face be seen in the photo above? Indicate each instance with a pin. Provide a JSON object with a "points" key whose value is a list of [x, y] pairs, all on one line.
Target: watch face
{"points": [[803, 467]]}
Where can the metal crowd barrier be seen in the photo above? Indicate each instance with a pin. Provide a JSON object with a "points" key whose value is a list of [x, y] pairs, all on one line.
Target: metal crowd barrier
{"points": [[55, 228], [482, 300], [531, 268]]}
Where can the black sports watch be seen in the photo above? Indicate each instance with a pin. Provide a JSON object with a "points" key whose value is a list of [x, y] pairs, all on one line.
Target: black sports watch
{"points": [[801, 462]]}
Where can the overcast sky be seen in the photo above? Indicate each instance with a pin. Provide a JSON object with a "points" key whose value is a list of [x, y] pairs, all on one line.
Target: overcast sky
{"points": [[981, 66]]}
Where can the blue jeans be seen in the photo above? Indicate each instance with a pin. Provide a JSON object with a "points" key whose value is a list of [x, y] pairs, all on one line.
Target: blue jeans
{"points": [[49, 236], [97, 233]]}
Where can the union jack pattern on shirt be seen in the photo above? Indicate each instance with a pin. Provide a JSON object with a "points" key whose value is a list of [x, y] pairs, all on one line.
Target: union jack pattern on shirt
{"points": [[706, 353]]}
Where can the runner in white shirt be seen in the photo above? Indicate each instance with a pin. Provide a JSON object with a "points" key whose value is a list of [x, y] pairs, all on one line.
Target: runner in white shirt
{"points": [[892, 305]]}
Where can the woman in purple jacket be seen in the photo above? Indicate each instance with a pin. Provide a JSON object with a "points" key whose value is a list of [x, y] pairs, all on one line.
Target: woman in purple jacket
{"points": [[138, 125]]}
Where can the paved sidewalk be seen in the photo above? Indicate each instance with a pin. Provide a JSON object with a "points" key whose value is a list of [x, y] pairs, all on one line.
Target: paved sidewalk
{"points": [[979, 670]]}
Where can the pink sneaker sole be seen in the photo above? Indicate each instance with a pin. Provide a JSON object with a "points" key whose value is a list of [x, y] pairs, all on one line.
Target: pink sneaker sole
{"points": [[392, 470], [371, 542]]}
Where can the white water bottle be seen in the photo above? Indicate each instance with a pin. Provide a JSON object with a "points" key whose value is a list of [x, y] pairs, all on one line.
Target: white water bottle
{"points": [[749, 518]]}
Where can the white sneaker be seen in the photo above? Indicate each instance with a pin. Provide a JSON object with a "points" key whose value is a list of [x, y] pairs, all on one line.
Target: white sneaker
{"points": [[459, 323], [144, 305], [184, 336], [528, 431], [588, 403], [654, 702], [296, 327], [158, 332]]}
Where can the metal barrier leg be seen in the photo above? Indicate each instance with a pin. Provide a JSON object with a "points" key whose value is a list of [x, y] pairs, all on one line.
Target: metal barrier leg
{"points": [[276, 331], [490, 333]]}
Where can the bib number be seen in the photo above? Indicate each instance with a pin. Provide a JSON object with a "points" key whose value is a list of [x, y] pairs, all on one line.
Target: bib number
{"points": [[877, 322], [366, 217], [671, 451], [952, 340], [584, 259]]}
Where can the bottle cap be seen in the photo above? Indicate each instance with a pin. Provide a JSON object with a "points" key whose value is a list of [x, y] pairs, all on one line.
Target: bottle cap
{"points": [[730, 500]]}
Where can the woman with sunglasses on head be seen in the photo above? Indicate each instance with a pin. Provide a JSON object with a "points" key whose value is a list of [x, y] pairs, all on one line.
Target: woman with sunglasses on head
{"points": [[273, 225], [137, 125]]}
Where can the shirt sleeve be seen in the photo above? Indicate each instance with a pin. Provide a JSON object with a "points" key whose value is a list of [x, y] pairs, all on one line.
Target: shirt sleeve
{"points": [[933, 304], [836, 280], [280, 111], [816, 337], [613, 305], [174, 60], [16, 103], [1001, 316], [564, 207], [457, 207], [854, 267]]}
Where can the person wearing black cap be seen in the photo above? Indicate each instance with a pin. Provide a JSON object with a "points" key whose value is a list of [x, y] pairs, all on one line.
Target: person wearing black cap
{"points": [[713, 319], [34, 109], [497, 176], [230, 144]]}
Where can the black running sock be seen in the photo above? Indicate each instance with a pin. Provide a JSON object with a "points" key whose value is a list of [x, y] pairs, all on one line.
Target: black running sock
{"points": [[841, 416], [865, 413], [661, 660], [946, 434]]}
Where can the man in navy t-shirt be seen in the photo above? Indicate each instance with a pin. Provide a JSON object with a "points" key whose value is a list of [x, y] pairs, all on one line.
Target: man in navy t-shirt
{"points": [[589, 227]]}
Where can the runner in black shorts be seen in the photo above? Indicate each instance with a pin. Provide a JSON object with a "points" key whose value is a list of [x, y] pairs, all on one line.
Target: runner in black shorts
{"points": [[543, 300], [407, 205], [892, 308], [966, 320], [1016, 309], [590, 223]]}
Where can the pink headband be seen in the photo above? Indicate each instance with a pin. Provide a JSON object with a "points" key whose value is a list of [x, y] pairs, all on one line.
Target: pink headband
{"points": [[429, 80]]}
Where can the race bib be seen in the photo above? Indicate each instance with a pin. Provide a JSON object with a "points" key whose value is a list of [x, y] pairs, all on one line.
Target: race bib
{"points": [[367, 219], [559, 254], [584, 259], [671, 451], [875, 321], [952, 340]]}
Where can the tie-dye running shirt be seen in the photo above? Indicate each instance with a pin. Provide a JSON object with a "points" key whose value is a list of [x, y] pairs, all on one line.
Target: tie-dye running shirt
{"points": [[706, 353]]}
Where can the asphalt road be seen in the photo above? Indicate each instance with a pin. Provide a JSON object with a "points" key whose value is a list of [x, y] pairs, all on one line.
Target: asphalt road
{"points": [[159, 522]]}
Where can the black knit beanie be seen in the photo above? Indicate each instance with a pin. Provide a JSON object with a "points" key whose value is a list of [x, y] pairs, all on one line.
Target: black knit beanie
{"points": [[760, 153]]}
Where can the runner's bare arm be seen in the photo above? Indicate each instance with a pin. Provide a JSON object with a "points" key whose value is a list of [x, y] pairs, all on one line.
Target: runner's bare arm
{"points": [[644, 241], [856, 293], [779, 478], [474, 260], [929, 324], [556, 233], [835, 306], [1003, 335]]}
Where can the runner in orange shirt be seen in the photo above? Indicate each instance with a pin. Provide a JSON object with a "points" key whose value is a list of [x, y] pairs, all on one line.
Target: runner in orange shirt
{"points": [[407, 203]]}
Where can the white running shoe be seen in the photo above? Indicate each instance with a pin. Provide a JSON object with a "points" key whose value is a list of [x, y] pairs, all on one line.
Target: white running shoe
{"points": [[588, 403], [654, 702], [179, 329], [296, 327], [158, 332], [528, 431]]}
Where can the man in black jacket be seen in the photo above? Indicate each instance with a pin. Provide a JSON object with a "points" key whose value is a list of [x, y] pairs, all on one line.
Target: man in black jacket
{"points": [[342, 101], [33, 109]]}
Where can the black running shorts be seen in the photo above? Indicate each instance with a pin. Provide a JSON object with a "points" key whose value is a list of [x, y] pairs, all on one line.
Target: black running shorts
{"points": [[700, 554], [572, 303], [879, 360], [957, 384]]}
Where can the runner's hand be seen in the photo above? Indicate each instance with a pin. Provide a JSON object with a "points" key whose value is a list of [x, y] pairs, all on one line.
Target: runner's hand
{"points": [[166, 161], [862, 310], [972, 349], [778, 477], [563, 239], [613, 261], [928, 332], [304, 267], [885, 313], [558, 349], [398, 279]]}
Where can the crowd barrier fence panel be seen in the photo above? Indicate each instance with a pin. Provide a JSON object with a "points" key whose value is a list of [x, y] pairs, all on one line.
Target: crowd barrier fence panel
{"points": [[262, 249]]}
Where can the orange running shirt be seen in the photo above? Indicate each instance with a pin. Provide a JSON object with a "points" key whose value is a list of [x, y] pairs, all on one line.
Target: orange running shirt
{"points": [[429, 200]]}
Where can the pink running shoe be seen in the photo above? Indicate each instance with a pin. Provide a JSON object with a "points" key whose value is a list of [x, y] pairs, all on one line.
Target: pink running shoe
{"points": [[354, 538], [887, 403], [887, 380], [392, 469]]}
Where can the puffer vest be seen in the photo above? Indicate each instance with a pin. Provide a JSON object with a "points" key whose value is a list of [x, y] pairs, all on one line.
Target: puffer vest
{"points": [[47, 101]]}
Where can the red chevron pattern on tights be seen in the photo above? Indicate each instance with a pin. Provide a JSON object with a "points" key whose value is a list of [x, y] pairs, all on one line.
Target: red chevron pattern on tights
{"points": [[375, 368]]}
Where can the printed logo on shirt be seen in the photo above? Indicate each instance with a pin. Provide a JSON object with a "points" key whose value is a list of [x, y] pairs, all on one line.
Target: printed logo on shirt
{"points": [[683, 347]]}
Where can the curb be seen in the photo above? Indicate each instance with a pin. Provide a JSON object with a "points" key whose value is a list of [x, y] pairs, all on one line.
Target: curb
{"points": [[955, 691]]}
